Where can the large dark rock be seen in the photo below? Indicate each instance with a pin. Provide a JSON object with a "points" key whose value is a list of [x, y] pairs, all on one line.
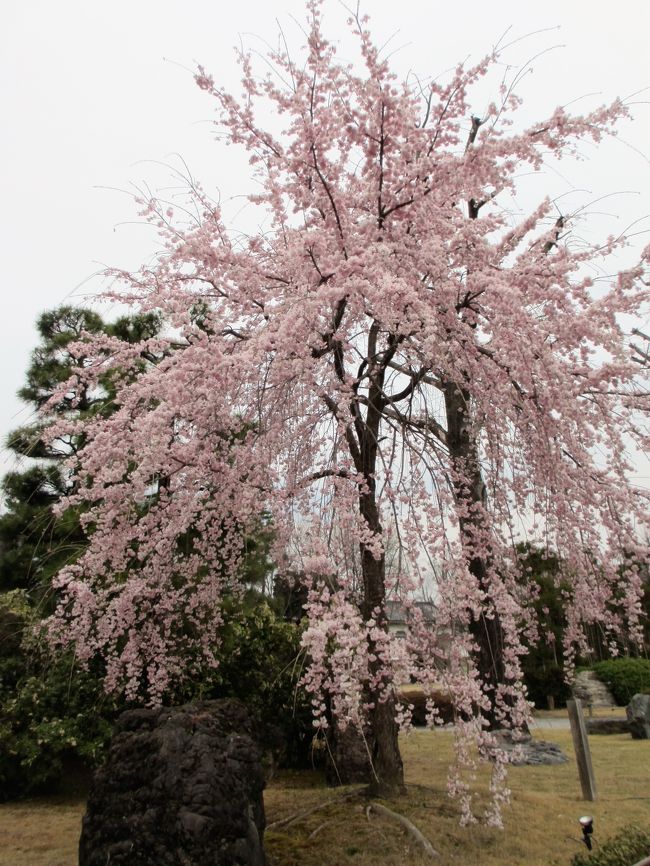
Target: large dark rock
{"points": [[523, 749], [638, 717], [607, 726], [181, 787]]}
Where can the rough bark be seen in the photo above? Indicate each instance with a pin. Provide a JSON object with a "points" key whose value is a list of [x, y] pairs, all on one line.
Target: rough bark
{"points": [[387, 768]]}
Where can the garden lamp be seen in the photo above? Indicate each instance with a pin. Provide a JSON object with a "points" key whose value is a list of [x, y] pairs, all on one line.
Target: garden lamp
{"points": [[587, 824]]}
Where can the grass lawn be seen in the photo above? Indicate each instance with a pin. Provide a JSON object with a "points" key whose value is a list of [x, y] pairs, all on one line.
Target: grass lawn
{"points": [[40, 832], [541, 825]]}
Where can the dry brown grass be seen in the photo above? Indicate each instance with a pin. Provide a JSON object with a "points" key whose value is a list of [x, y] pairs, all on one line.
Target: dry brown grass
{"points": [[541, 825], [40, 832]]}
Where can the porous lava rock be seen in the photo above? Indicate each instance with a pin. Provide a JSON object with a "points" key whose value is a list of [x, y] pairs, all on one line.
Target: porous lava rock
{"points": [[182, 786], [638, 717], [523, 749]]}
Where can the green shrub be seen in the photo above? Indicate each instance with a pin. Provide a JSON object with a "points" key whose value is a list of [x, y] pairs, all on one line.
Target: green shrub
{"points": [[625, 849], [625, 677], [51, 713], [50, 721], [542, 668], [261, 664], [14, 617], [544, 678]]}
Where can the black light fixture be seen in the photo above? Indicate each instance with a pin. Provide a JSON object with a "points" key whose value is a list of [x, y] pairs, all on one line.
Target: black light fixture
{"points": [[587, 824]]}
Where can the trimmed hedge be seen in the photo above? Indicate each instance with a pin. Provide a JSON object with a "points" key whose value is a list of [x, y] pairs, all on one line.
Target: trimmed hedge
{"points": [[625, 849], [625, 677]]}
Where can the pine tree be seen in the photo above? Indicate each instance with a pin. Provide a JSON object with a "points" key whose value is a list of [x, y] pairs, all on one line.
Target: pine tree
{"points": [[34, 543]]}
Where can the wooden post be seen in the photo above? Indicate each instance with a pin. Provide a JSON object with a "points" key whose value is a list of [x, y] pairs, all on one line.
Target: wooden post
{"points": [[581, 747]]}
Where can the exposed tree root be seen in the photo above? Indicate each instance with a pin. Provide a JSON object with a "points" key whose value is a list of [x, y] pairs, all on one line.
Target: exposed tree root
{"points": [[297, 816], [317, 830], [409, 826]]}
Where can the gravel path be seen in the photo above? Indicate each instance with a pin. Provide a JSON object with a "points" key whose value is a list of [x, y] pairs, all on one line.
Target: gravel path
{"points": [[550, 724]]}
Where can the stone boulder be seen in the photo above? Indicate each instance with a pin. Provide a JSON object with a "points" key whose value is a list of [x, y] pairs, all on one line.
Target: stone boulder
{"points": [[182, 786], [607, 726], [417, 700], [591, 691], [638, 717], [523, 749]]}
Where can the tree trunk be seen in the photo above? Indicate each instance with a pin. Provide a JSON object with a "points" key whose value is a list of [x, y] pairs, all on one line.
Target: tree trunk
{"points": [[362, 436], [387, 768], [387, 773]]}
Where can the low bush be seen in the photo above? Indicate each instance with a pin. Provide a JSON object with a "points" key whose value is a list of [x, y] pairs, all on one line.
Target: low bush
{"points": [[54, 715], [625, 849], [53, 718], [544, 679], [260, 664], [625, 677]]}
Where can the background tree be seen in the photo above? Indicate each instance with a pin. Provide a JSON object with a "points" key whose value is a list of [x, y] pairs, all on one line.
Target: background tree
{"points": [[50, 711], [543, 664], [380, 365], [54, 718], [34, 543]]}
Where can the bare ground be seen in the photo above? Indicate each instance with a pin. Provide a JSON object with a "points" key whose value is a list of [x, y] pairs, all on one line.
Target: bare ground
{"points": [[541, 825]]}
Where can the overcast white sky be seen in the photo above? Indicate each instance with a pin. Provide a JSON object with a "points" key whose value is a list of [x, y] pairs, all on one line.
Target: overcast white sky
{"points": [[94, 94]]}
